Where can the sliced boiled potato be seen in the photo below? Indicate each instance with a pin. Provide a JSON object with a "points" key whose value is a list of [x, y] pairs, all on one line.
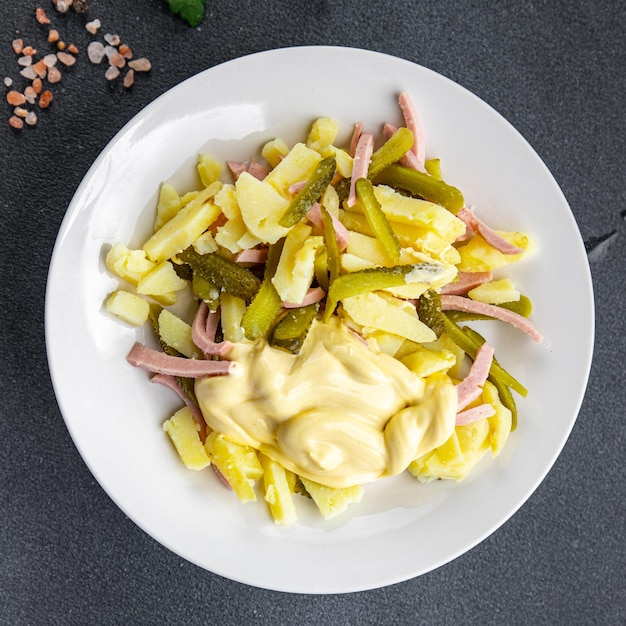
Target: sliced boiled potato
{"points": [[183, 432], [274, 151], [479, 256], [495, 292], [130, 265], [129, 307], [426, 362], [168, 204], [381, 311], [332, 501], [277, 483], [160, 281], [297, 166], [322, 134], [176, 333], [209, 169], [500, 423]]}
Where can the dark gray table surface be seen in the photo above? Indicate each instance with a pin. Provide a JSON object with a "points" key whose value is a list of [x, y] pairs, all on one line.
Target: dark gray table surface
{"points": [[557, 72]]}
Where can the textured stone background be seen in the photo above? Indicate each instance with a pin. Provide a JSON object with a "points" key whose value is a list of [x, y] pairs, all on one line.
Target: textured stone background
{"points": [[556, 71]]}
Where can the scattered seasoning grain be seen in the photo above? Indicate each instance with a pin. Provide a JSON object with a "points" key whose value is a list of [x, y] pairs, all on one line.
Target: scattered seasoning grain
{"points": [[20, 112], [29, 51], [95, 52], [94, 26], [80, 6], [72, 48], [112, 40], [54, 75], [40, 68], [18, 46], [125, 51], [140, 65], [117, 60], [50, 59], [60, 45], [129, 78], [8, 81], [40, 16], [66, 59], [15, 98], [29, 73], [31, 118], [30, 94], [112, 73], [53, 35], [45, 99], [16, 122], [62, 6], [25, 61], [37, 85]]}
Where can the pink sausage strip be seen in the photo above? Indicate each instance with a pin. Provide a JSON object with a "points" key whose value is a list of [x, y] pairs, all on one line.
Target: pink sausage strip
{"points": [[361, 164], [465, 282], [410, 159], [489, 235], [236, 168], [474, 414], [414, 124], [158, 362], [258, 170], [342, 235], [471, 387], [171, 383], [252, 255], [460, 303], [313, 295], [203, 332], [358, 129]]}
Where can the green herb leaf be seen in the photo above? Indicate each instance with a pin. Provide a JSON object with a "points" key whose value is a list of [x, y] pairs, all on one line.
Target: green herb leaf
{"points": [[192, 11]]}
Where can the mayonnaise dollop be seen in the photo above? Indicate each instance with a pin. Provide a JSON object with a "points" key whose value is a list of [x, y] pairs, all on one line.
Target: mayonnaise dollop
{"points": [[337, 413]]}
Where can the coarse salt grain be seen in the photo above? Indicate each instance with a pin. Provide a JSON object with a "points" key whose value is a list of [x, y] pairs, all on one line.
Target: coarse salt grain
{"points": [[66, 59], [140, 65], [41, 17], [45, 99], [16, 122], [62, 6], [112, 73], [72, 48], [20, 111], [37, 85], [29, 51], [15, 98], [17, 45], [95, 52], [53, 36], [54, 75], [50, 59], [31, 118], [109, 51], [25, 61], [29, 73], [117, 59], [113, 40], [41, 68], [30, 94], [125, 51], [8, 81], [94, 26], [129, 78]]}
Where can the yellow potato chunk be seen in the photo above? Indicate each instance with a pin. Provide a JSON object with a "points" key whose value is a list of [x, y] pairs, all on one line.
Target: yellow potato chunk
{"points": [[278, 493], [500, 423], [238, 464], [183, 431], [176, 333], [322, 134], [162, 280], [421, 213], [274, 151], [129, 307], [427, 362], [495, 292], [226, 199], [209, 169], [332, 501], [168, 204], [478, 256], [296, 265], [232, 309], [296, 167], [380, 311], [261, 208], [130, 265], [185, 227]]}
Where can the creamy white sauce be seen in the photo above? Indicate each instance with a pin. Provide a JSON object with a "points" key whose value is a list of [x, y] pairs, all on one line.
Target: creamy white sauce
{"points": [[337, 413]]}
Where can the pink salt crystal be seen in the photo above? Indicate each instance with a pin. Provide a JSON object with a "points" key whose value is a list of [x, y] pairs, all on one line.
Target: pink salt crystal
{"points": [[140, 65], [50, 60], [62, 6], [20, 111], [29, 73], [95, 52], [66, 59], [112, 73], [25, 61], [117, 59], [54, 75], [94, 26], [129, 78], [109, 51], [31, 118], [113, 40], [8, 81], [30, 94]]}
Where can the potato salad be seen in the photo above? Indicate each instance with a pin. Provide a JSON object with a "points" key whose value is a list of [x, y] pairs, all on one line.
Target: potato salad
{"points": [[326, 346]]}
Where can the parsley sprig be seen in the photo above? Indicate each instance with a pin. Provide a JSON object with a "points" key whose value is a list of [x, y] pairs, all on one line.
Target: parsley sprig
{"points": [[192, 11]]}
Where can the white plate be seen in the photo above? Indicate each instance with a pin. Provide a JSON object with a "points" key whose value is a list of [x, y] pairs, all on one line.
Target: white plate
{"points": [[401, 529]]}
